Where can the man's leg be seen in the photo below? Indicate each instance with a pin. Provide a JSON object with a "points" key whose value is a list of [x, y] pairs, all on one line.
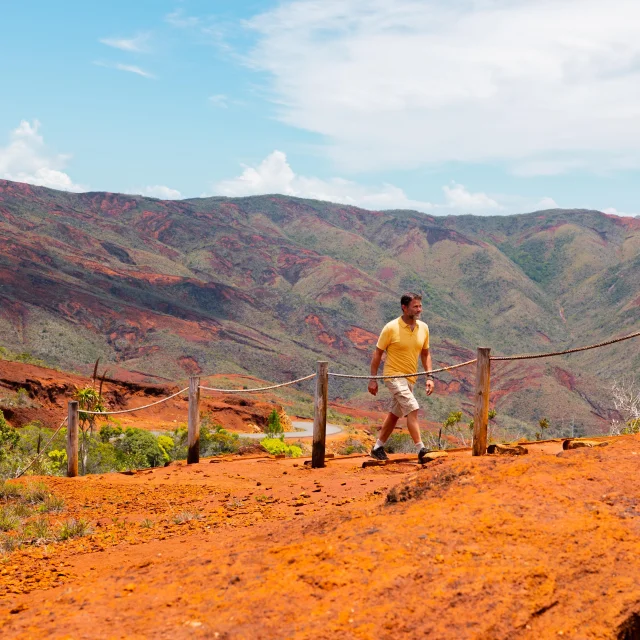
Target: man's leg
{"points": [[413, 427], [387, 427]]}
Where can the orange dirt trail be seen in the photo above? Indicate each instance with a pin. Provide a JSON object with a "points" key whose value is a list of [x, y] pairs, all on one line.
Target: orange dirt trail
{"points": [[538, 546]]}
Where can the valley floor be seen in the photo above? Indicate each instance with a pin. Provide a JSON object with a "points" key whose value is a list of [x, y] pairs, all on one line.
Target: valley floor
{"points": [[538, 546]]}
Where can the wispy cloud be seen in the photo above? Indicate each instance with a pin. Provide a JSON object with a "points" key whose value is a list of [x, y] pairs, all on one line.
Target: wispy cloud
{"points": [[403, 83], [137, 44], [219, 100], [129, 68], [27, 159], [179, 20]]}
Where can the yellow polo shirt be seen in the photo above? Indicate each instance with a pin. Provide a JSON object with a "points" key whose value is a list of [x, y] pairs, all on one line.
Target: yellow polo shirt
{"points": [[403, 346]]}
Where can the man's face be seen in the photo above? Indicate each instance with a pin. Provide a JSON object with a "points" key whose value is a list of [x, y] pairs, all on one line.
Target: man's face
{"points": [[413, 309]]}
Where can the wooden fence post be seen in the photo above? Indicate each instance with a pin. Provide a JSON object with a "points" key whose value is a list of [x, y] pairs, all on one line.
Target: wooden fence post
{"points": [[481, 413], [193, 437], [320, 415], [72, 439]]}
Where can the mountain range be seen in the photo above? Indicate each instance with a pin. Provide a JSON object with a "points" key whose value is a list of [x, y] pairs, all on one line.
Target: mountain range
{"points": [[268, 285]]}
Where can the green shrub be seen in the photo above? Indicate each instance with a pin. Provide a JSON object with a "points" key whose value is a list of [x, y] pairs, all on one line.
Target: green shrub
{"points": [[35, 493], [9, 519], [276, 446], [73, 528], [144, 446], [9, 438], [52, 504], [39, 531], [58, 459], [216, 441], [109, 431], [9, 490]]}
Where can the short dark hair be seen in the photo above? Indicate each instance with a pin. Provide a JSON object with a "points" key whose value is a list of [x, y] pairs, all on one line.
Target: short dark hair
{"points": [[408, 297]]}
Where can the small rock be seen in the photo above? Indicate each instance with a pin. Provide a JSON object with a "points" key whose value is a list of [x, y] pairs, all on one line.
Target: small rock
{"points": [[18, 608], [579, 444]]}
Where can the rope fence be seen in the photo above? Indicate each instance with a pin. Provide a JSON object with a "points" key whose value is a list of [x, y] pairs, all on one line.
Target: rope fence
{"points": [[273, 386], [403, 375], [531, 356], [146, 406], [321, 376]]}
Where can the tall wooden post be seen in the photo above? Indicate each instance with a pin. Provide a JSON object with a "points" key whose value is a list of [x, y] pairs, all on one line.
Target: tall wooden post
{"points": [[481, 413], [72, 439], [193, 436], [320, 415]]}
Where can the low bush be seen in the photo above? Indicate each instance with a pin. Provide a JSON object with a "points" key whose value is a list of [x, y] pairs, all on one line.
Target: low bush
{"points": [[277, 446]]}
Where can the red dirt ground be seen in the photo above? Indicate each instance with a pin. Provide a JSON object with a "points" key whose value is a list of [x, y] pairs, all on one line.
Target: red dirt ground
{"points": [[538, 546]]}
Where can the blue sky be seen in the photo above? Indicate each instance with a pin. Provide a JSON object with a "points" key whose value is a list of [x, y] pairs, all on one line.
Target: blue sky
{"points": [[464, 106]]}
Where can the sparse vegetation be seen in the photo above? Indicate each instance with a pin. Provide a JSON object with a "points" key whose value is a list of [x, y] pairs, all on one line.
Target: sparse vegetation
{"points": [[73, 528], [24, 517], [352, 445], [186, 516], [24, 357]]}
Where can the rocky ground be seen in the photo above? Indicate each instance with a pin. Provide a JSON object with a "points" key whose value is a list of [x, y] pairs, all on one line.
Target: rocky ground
{"points": [[544, 545]]}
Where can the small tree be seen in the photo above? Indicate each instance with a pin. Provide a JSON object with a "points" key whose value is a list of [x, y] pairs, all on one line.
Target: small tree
{"points": [[544, 425], [88, 400], [274, 425], [452, 425]]}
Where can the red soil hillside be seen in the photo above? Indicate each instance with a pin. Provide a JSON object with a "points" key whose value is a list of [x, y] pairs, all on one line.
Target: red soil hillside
{"points": [[536, 547], [50, 390], [266, 286]]}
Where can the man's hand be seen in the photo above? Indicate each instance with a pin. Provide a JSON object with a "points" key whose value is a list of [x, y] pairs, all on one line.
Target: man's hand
{"points": [[429, 386], [373, 387]]}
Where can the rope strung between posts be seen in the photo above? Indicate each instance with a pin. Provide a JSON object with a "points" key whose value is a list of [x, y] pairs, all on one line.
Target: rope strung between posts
{"points": [[146, 406], [403, 375], [561, 353], [273, 386], [55, 433]]}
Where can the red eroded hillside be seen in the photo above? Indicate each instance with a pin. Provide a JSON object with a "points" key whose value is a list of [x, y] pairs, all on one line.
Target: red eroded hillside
{"points": [[266, 286], [50, 390]]}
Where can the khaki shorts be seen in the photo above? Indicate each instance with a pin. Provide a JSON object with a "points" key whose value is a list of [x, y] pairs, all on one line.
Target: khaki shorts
{"points": [[404, 402]]}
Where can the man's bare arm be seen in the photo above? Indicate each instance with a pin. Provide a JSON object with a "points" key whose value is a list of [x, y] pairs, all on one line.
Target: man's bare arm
{"points": [[375, 365], [425, 356]]}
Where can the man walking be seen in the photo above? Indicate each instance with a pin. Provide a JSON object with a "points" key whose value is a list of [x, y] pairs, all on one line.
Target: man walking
{"points": [[404, 339]]}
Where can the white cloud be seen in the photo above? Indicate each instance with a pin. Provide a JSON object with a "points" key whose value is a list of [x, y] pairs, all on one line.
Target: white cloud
{"points": [[137, 44], [129, 68], [219, 100], [158, 191], [546, 203], [26, 159], [398, 84], [275, 175], [458, 198], [614, 212]]}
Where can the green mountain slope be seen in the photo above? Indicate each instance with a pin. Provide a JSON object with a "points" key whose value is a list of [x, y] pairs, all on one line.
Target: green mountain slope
{"points": [[268, 285]]}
